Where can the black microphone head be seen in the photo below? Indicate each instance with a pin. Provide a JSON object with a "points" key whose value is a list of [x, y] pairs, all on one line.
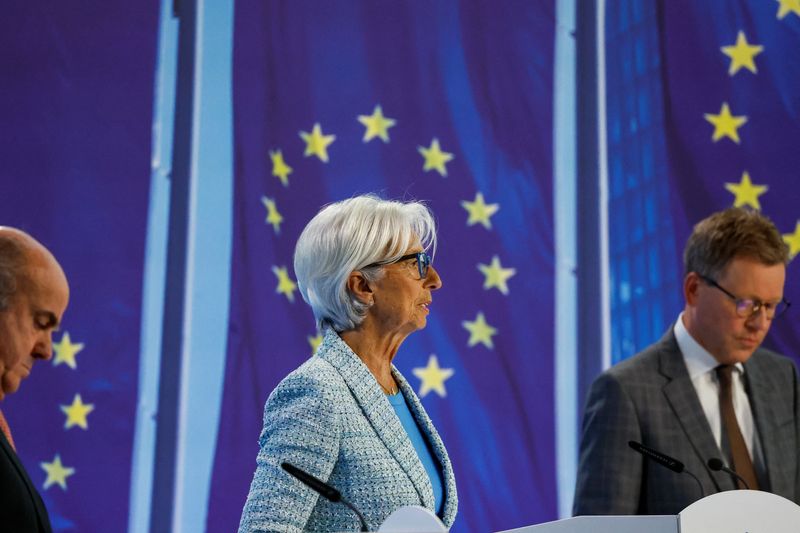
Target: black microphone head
{"points": [[315, 484], [715, 464], [290, 468], [660, 458]]}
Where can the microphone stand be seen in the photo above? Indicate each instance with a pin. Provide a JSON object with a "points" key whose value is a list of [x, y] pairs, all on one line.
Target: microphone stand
{"points": [[716, 465], [665, 461], [324, 489]]}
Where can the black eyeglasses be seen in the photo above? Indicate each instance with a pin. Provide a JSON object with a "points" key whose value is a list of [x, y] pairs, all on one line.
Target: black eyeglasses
{"points": [[746, 308], [423, 262]]}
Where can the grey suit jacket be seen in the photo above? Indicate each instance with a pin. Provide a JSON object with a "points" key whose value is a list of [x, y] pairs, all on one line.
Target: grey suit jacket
{"points": [[650, 399], [330, 418]]}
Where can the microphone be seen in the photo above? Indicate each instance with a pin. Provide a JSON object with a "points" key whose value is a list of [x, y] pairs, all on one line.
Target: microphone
{"points": [[716, 465], [666, 461], [323, 489]]}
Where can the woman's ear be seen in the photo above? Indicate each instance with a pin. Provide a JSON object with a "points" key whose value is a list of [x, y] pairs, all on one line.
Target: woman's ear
{"points": [[359, 287]]}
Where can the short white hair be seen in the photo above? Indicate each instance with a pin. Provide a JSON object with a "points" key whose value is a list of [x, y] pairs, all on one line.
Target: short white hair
{"points": [[350, 235]]}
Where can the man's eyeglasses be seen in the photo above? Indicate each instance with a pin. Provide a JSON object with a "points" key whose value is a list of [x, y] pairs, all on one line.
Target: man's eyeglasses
{"points": [[746, 308], [423, 262]]}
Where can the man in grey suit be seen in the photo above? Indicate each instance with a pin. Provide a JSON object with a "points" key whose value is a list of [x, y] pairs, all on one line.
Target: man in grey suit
{"points": [[705, 390]]}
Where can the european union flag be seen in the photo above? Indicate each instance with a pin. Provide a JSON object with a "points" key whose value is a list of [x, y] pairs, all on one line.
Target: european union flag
{"points": [[732, 110], [446, 102], [75, 175]]}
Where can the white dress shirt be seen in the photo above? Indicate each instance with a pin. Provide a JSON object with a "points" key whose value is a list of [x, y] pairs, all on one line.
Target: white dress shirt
{"points": [[701, 366]]}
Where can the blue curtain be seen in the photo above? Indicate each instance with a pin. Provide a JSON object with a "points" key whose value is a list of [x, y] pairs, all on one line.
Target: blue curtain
{"points": [[468, 88], [76, 121], [702, 115]]}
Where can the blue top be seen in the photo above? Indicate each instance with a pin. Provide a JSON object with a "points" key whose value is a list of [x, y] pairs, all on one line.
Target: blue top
{"points": [[400, 406]]}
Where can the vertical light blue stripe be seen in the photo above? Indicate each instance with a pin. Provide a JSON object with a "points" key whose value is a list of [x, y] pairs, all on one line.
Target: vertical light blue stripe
{"points": [[143, 461], [602, 176], [205, 325], [207, 271], [565, 202]]}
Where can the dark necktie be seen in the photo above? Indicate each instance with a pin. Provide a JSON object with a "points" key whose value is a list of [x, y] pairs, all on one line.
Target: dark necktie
{"points": [[741, 458]]}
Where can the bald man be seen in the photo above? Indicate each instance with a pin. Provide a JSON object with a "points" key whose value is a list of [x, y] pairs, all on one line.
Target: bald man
{"points": [[33, 296]]}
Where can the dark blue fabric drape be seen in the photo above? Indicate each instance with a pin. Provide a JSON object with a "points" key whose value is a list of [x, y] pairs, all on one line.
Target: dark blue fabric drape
{"points": [[475, 77]]}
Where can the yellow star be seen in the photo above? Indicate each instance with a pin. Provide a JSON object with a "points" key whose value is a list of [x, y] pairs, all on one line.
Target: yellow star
{"points": [[273, 216], [56, 473], [317, 143], [285, 284], [435, 159], [725, 124], [279, 167], [377, 125], [787, 6], [742, 54], [792, 240], [479, 211], [479, 331], [66, 351], [746, 193], [77, 413], [315, 341], [432, 377], [496, 275]]}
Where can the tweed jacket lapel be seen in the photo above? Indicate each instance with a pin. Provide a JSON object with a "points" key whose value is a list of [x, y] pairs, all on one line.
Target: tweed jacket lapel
{"points": [[378, 410], [450, 499], [683, 399], [770, 410]]}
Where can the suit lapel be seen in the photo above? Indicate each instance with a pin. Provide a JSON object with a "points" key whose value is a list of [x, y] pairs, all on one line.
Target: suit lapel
{"points": [[765, 398], [11, 455], [682, 397], [378, 410], [437, 446]]}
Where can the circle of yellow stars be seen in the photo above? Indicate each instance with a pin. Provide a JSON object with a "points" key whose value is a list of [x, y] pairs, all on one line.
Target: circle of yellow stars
{"points": [[788, 6], [65, 351], [435, 158], [742, 54], [279, 167], [432, 377], [57, 473], [742, 57], [318, 143], [273, 216], [376, 125], [286, 285], [76, 413]]}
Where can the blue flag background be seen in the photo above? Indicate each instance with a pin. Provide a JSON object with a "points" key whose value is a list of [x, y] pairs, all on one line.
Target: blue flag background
{"points": [[742, 58], [447, 102], [702, 115], [76, 107], [473, 81]]}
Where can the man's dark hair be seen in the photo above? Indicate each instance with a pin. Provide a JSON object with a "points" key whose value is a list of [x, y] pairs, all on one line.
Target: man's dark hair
{"points": [[12, 260], [733, 233]]}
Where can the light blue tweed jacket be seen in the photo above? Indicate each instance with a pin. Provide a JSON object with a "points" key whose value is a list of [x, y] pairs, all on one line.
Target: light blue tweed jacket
{"points": [[331, 418]]}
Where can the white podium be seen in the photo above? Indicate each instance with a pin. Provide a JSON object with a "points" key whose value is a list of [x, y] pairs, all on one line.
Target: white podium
{"points": [[605, 524], [412, 519], [735, 511]]}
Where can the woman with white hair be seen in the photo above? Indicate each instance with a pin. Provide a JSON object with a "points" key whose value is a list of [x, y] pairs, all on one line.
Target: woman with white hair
{"points": [[347, 416]]}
